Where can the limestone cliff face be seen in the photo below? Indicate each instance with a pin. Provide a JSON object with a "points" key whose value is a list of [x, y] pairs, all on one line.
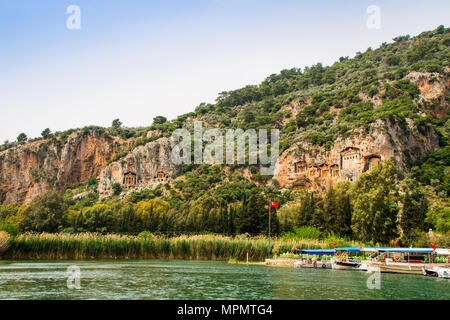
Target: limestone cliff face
{"points": [[31, 169], [312, 168], [304, 166], [434, 89], [36, 167], [145, 166]]}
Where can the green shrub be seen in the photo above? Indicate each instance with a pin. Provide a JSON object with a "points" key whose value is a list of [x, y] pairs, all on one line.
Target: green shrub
{"points": [[304, 232]]}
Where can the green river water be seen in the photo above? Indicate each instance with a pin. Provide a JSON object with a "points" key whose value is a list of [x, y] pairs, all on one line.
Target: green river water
{"points": [[193, 280]]}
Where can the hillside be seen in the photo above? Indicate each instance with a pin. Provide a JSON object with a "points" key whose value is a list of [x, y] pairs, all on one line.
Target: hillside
{"points": [[336, 123]]}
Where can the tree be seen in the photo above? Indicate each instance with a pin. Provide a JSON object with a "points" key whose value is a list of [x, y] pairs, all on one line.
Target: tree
{"points": [[116, 124], [231, 214], [92, 182], [307, 211], [46, 133], [46, 213], [159, 120], [415, 207], [127, 219], [329, 211], [204, 214], [151, 213], [344, 215], [375, 204], [252, 216], [248, 116], [318, 218], [117, 189], [98, 218], [22, 138], [288, 217], [439, 218], [337, 211]]}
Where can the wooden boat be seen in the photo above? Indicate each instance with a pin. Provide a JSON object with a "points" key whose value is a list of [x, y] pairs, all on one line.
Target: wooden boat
{"points": [[398, 267], [429, 272], [316, 265], [345, 265], [321, 263], [406, 261]]}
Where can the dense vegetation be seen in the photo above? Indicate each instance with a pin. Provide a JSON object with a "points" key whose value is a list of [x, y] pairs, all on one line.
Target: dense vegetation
{"points": [[88, 245], [377, 208], [335, 101]]}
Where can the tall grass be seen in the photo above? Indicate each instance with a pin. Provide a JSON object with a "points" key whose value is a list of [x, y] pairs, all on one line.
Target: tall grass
{"points": [[4, 241], [201, 247]]}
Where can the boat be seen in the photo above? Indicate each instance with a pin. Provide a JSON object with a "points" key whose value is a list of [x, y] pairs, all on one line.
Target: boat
{"points": [[313, 262], [416, 261], [345, 265], [396, 267], [321, 264], [363, 267], [443, 272], [343, 261], [429, 272]]}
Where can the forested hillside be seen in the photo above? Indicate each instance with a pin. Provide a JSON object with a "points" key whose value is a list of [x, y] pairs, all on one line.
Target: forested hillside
{"points": [[398, 93]]}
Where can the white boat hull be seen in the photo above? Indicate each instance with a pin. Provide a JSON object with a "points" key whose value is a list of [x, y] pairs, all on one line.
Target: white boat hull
{"points": [[443, 272], [399, 267], [317, 265]]}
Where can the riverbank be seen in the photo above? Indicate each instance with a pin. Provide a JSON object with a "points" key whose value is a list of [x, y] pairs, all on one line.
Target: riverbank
{"points": [[200, 247]]}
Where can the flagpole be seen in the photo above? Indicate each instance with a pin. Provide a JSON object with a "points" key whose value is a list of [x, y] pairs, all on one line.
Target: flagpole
{"points": [[269, 230]]}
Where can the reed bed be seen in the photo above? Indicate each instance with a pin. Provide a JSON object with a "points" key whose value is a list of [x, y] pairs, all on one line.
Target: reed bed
{"points": [[4, 242], [96, 246]]}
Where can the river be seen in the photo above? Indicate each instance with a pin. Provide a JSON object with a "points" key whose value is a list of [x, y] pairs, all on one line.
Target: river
{"points": [[192, 280]]}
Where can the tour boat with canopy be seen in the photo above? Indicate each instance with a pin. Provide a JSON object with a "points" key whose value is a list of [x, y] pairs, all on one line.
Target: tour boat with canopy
{"points": [[405, 260], [343, 259], [323, 263]]}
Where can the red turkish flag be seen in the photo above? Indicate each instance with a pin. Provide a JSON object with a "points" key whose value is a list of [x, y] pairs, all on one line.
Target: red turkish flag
{"points": [[274, 204], [433, 246]]}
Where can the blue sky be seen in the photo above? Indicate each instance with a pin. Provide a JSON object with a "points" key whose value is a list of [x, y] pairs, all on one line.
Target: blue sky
{"points": [[137, 59]]}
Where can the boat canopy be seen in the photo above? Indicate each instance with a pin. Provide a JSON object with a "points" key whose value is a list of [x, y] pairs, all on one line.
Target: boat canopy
{"points": [[349, 249], [368, 249], [329, 252], [406, 250], [443, 252]]}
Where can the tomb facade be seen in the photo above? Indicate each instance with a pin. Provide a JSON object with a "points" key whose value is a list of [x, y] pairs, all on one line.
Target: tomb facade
{"points": [[130, 179]]}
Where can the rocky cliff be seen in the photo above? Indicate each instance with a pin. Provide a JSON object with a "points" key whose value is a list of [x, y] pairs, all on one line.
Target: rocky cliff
{"points": [[312, 168], [31, 169], [302, 104], [145, 166], [308, 167]]}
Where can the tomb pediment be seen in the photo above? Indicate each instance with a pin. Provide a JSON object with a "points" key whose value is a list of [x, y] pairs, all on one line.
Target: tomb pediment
{"points": [[350, 150]]}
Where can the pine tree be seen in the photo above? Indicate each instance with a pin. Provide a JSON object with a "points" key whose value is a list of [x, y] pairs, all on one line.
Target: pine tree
{"points": [[345, 216], [415, 207], [307, 209], [318, 220], [251, 215], [231, 214], [330, 212]]}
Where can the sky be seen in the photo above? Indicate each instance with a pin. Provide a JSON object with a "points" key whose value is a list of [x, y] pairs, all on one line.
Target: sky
{"points": [[138, 59]]}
